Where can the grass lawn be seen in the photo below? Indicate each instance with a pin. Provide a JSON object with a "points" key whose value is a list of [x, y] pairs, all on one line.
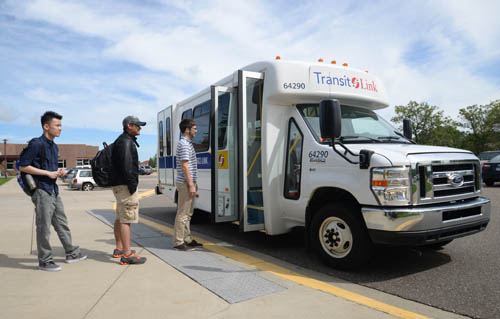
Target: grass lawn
{"points": [[4, 180]]}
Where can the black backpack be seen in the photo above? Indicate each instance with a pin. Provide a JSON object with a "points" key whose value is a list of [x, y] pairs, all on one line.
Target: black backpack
{"points": [[25, 180], [102, 164]]}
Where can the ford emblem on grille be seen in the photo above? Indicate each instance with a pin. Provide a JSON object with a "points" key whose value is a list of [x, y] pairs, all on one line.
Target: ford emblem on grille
{"points": [[456, 180]]}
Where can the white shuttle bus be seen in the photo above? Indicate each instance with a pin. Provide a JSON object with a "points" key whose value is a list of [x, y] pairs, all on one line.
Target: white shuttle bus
{"points": [[283, 144]]}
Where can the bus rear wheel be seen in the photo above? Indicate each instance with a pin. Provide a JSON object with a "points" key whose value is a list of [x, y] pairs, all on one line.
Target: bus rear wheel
{"points": [[340, 237]]}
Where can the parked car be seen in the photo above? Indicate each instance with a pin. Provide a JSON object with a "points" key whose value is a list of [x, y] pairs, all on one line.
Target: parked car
{"points": [[82, 179], [145, 170], [485, 157], [66, 178], [491, 171]]}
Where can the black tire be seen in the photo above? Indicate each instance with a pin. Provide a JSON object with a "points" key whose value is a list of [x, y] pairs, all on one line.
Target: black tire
{"points": [[489, 183], [340, 227], [87, 187]]}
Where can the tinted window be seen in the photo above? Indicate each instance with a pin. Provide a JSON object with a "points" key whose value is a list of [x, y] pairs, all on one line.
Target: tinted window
{"points": [[488, 155], [169, 144], [293, 161], [201, 115], [160, 137], [495, 159], [86, 174], [222, 117], [187, 114]]}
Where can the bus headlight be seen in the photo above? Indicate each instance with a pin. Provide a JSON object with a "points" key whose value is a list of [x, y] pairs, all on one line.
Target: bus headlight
{"points": [[391, 186]]}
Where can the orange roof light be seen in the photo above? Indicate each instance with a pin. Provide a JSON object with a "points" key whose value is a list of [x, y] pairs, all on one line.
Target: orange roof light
{"points": [[334, 62], [278, 57], [345, 64], [320, 60], [366, 71]]}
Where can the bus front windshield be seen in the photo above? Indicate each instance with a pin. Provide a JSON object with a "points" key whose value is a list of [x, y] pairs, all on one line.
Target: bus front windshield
{"points": [[359, 125]]}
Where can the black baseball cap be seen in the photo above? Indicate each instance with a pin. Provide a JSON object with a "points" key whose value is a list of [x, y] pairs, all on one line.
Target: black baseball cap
{"points": [[132, 120]]}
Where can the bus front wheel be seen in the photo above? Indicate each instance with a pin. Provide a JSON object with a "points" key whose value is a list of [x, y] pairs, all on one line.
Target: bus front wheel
{"points": [[339, 236]]}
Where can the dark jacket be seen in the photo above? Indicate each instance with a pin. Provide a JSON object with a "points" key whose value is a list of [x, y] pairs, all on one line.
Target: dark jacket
{"points": [[125, 162]]}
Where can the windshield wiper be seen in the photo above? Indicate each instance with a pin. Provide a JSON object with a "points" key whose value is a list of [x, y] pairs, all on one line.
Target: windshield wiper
{"points": [[357, 136], [389, 138]]}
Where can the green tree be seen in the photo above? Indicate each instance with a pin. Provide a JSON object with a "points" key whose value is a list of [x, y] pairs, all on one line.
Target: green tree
{"points": [[152, 161], [429, 126], [478, 121]]}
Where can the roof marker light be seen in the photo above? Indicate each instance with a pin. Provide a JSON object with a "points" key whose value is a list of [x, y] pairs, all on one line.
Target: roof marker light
{"points": [[345, 64], [320, 60], [366, 71], [278, 57], [334, 62]]}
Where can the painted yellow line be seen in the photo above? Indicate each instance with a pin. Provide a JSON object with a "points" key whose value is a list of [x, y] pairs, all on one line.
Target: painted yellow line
{"points": [[141, 196], [295, 277]]}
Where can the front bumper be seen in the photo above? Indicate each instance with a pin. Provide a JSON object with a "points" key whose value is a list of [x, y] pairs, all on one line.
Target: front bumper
{"points": [[427, 224]]}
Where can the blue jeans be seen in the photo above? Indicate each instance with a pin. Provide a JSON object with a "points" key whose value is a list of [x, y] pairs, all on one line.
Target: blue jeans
{"points": [[49, 210]]}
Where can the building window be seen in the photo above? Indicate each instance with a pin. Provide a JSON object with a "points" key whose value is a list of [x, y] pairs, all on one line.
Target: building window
{"points": [[81, 162], [61, 164], [11, 164], [201, 115]]}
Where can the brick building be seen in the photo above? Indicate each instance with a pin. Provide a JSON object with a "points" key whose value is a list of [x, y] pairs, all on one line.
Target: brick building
{"points": [[69, 155]]}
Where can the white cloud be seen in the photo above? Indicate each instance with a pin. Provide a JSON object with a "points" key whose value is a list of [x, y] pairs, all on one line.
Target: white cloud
{"points": [[43, 95], [8, 113], [109, 59]]}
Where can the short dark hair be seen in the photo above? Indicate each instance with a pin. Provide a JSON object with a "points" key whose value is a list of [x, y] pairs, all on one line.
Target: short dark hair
{"points": [[48, 116], [186, 123]]}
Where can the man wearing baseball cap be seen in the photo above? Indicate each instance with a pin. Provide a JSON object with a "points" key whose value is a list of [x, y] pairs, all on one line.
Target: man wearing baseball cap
{"points": [[124, 180]]}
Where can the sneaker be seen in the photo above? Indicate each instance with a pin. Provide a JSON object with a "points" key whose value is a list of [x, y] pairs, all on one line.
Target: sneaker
{"points": [[194, 244], [49, 266], [117, 253], [75, 258], [183, 247], [132, 259]]}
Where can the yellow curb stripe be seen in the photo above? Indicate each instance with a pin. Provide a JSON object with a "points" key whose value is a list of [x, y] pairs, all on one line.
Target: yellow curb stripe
{"points": [[295, 277], [141, 196]]}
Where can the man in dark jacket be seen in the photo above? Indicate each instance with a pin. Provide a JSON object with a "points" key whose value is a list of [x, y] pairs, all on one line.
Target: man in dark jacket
{"points": [[124, 179]]}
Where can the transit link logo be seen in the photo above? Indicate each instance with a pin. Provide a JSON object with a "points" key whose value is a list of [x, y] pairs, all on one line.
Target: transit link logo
{"points": [[354, 82]]}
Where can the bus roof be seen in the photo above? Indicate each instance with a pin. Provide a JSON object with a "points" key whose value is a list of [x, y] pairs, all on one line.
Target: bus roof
{"points": [[302, 82], [293, 82]]}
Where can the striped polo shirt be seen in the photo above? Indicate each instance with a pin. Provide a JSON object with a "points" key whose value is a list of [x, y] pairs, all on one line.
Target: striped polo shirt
{"points": [[186, 152]]}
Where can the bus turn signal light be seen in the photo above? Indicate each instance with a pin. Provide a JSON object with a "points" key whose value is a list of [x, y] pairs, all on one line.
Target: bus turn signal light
{"points": [[379, 183]]}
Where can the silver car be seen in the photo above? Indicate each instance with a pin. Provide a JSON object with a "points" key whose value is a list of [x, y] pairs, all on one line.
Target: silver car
{"points": [[82, 179]]}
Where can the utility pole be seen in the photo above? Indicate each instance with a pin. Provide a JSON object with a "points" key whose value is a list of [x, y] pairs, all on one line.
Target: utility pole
{"points": [[5, 156]]}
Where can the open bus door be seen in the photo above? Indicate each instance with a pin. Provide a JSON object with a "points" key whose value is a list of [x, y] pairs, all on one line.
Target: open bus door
{"points": [[237, 169], [166, 161]]}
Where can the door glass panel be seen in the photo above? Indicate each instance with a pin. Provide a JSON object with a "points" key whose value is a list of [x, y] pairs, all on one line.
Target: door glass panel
{"points": [[227, 190], [293, 162], [255, 203]]}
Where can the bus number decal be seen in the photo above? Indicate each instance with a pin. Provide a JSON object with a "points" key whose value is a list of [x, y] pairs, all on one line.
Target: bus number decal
{"points": [[294, 86], [318, 156]]}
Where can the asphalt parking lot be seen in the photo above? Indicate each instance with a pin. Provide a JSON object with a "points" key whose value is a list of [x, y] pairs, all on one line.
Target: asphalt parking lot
{"points": [[463, 277]]}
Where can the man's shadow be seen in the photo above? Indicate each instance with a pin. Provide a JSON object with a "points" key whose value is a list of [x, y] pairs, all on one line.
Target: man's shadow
{"points": [[31, 262]]}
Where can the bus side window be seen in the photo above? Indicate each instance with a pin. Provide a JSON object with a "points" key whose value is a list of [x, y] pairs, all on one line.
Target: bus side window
{"points": [[293, 161], [201, 114], [223, 118], [167, 128], [160, 137]]}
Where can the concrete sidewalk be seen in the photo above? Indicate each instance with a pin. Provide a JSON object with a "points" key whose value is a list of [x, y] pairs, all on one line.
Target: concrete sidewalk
{"points": [[101, 288]]}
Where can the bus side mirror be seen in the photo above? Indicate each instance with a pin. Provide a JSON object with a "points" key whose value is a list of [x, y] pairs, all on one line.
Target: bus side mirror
{"points": [[330, 119], [407, 128]]}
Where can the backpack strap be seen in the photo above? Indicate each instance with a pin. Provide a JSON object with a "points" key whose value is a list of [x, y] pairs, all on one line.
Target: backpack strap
{"points": [[42, 155]]}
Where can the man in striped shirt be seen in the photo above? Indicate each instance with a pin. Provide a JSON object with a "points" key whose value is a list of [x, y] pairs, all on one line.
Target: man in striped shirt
{"points": [[186, 186]]}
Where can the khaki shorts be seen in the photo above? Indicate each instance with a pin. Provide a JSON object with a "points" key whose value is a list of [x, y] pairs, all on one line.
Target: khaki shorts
{"points": [[127, 206]]}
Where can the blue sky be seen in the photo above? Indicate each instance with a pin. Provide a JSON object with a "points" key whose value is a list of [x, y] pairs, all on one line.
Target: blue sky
{"points": [[97, 61]]}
